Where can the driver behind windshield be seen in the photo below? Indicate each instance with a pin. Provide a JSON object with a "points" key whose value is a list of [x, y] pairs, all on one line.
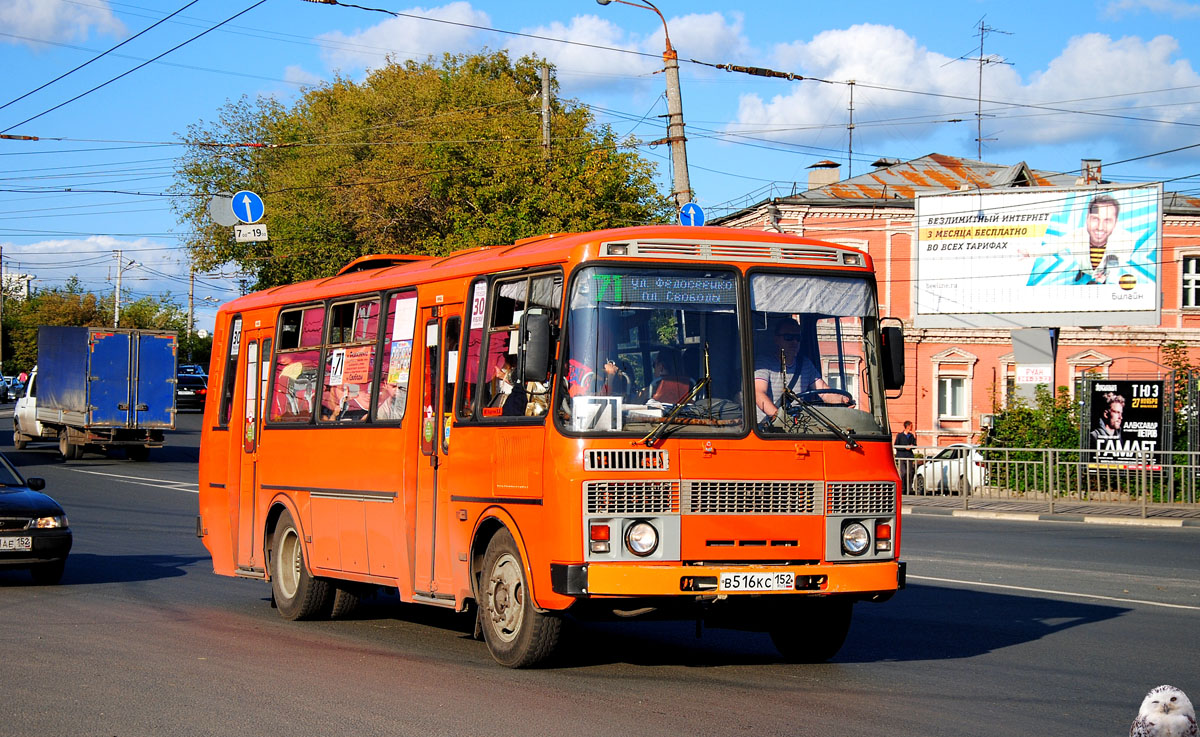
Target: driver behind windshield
{"points": [[792, 361]]}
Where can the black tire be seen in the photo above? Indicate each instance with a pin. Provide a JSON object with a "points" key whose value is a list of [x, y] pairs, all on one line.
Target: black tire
{"points": [[345, 603], [919, 485], [516, 633], [69, 451], [48, 574], [19, 439], [297, 593], [812, 630], [137, 452], [964, 486]]}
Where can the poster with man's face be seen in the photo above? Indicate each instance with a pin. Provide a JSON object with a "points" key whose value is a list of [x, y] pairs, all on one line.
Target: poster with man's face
{"points": [[1126, 421]]}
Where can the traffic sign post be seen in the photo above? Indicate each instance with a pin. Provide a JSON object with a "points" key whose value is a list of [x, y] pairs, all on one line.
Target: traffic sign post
{"points": [[691, 214], [247, 206]]}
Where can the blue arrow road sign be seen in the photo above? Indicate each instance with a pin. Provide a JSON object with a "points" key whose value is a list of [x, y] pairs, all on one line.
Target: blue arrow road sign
{"points": [[247, 206], [691, 214]]}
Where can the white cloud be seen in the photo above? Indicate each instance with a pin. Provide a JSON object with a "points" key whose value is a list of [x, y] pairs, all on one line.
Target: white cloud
{"points": [[297, 75], [55, 20], [92, 261], [1091, 66], [406, 37], [698, 36], [1175, 8]]}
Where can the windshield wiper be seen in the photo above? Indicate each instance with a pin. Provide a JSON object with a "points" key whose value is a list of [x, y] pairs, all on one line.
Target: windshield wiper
{"points": [[660, 429], [790, 397]]}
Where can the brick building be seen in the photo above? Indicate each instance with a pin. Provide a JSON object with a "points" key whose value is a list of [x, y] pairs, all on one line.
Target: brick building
{"points": [[957, 377]]}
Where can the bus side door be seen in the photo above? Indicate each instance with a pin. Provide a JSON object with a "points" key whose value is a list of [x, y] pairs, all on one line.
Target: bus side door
{"points": [[441, 327], [253, 370]]}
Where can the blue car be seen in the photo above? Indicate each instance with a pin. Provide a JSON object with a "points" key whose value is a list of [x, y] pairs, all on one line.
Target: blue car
{"points": [[34, 534]]}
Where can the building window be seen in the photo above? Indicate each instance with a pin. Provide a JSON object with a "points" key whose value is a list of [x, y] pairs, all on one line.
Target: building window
{"points": [[952, 397], [1191, 282]]}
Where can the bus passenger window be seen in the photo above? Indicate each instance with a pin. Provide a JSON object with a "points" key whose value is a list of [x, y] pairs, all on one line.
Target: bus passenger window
{"points": [[502, 395], [350, 361], [295, 377], [399, 324]]}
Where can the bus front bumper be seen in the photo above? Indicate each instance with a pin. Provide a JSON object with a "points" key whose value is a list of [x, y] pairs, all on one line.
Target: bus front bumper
{"points": [[634, 579]]}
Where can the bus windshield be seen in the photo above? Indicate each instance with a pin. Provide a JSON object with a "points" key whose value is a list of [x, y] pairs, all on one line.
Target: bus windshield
{"points": [[816, 356], [643, 341]]}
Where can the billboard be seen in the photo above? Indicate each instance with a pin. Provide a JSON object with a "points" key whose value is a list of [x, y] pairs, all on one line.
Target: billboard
{"points": [[1039, 257], [1126, 421]]}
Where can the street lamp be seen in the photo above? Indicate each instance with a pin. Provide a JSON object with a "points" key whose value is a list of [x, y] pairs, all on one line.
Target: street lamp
{"points": [[675, 137]]}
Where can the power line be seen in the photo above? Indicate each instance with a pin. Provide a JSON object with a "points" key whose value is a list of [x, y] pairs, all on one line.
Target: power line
{"points": [[100, 56], [139, 66]]}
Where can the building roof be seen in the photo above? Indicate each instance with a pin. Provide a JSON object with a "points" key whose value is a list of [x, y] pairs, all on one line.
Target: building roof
{"points": [[898, 183]]}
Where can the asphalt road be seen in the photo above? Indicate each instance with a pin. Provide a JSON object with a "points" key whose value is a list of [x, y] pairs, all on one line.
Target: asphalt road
{"points": [[1006, 628]]}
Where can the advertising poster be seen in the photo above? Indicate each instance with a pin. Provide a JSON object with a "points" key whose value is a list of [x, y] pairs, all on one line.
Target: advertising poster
{"points": [[1031, 250], [1126, 421]]}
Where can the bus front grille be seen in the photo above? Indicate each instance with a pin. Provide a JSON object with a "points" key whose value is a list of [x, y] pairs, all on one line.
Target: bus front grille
{"points": [[751, 497], [631, 497], [860, 497]]}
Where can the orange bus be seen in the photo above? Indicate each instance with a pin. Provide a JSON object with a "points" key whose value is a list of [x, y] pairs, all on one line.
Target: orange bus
{"points": [[653, 421]]}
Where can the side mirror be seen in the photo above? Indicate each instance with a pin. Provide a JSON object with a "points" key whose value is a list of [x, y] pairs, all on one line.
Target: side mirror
{"points": [[35, 483], [534, 348], [893, 358]]}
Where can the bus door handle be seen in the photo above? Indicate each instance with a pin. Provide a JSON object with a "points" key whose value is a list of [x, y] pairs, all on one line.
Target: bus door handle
{"points": [[433, 460]]}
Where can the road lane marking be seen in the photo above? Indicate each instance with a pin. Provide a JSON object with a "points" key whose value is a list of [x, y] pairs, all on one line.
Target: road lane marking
{"points": [[1031, 590], [188, 486]]}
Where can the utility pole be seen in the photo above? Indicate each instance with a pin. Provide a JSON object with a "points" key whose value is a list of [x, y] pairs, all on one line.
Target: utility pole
{"points": [[683, 185], [117, 294], [675, 136], [850, 128], [546, 112], [191, 300]]}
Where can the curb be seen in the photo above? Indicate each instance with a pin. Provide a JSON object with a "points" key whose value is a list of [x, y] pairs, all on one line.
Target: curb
{"points": [[1036, 517]]}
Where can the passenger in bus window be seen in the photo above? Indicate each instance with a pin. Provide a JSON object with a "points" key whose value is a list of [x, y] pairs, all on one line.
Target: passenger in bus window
{"points": [[616, 381], [506, 394], [341, 404], [391, 402], [668, 386]]}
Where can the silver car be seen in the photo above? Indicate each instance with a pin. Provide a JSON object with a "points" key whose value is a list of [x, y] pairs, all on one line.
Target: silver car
{"points": [[956, 469]]}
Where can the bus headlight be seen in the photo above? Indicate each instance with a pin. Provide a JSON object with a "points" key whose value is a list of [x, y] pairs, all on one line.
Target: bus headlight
{"points": [[855, 538], [641, 538]]}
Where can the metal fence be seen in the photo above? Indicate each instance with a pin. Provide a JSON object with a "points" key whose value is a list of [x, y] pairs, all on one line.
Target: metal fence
{"points": [[1053, 476]]}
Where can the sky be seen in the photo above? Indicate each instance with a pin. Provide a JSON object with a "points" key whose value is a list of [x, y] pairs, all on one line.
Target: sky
{"points": [[1115, 80]]}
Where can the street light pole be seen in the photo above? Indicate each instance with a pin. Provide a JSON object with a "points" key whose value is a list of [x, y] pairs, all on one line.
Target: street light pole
{"points": [[675, 136]]}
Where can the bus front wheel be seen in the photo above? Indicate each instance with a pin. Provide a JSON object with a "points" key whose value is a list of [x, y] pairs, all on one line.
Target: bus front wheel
{"points": [[517, 635], [812, 630], [298, 594]]}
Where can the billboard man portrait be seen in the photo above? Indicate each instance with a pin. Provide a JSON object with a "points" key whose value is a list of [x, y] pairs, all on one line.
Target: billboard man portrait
{"points": [[1109, 425]]}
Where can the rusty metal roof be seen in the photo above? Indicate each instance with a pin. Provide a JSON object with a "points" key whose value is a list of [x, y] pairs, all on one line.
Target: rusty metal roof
{"points": [[899, 183]]}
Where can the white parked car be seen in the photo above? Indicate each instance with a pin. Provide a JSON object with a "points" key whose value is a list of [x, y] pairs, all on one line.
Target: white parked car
{"points": [[955, 469]]}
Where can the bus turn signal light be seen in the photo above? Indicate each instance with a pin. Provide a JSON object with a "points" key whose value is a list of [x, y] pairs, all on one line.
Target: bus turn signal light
{"points": [[599, 535]]}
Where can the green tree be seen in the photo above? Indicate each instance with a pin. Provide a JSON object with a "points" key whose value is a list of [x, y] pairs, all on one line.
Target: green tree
{"points": [[72, 305], [421, 157], [1051, 422]]}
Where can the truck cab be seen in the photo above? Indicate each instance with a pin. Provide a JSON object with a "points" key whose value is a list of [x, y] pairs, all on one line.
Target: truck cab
{"points": [[25, 422]]}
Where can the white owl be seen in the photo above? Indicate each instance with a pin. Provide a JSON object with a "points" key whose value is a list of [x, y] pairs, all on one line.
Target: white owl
{"points": [[1165, 712]]}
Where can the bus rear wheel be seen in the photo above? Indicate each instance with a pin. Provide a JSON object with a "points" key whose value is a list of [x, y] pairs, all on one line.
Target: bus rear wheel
{"points": [[812, 630], [516, 633], [298, 594]]}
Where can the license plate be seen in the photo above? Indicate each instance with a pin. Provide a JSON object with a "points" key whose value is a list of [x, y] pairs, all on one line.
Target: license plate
{"points": [[738, 581], [16, 543], [186, 392]]}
